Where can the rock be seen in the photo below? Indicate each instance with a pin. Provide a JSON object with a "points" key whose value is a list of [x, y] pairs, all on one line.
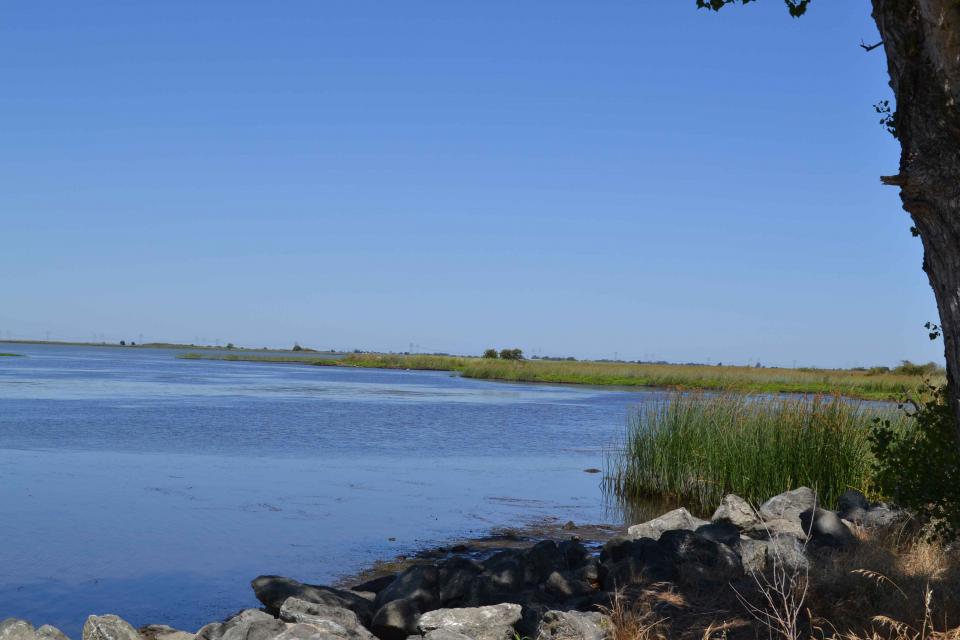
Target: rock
{"points": [[443, 634], [645, 563], [788, 505], [108, 627], [420, 584], [396, 619], [543, 559], [736, 511], [47, 632], [826, 528], [753, 554], [456, 575], [376, 585], [786, 552], [574, 625], [163, 632], [778, 526], [15, 629], [249, 624], [700, 557], [852, 500], [273, 591], [883, 515], [337, 621], [573, 552], [670, 521], [720, 532], [507, 570], [478, 623], [564, 585]]}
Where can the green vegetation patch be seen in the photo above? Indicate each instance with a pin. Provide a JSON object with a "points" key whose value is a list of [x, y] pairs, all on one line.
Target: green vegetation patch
{"points": [[697, 448], [11, 355]]}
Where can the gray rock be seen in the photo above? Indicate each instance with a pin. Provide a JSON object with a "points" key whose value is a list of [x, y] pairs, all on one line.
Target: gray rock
{"points": [[15, 629], [494, 622], [826, 528], [778, 526], [337, 621], [396, 620], [788, 505], [785, 551], [850, 500], [565, 585], [376, 585], [574, 625], [721, 532], [753, 554], [47, 632], [543, 559], [883, 515], [249, 624], [163, 632], [419, 584], [108, 627], [701, 558], [443, 634], [507, 570], [736, 511], [573, 552], [273, 591], [656, 566], [456, 575], [670, 521]]}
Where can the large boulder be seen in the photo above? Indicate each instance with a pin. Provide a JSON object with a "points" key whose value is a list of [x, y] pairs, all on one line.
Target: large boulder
{"points": [[788, 505], [574, 625], [375, 585], [753, 554], [479, 623], [507, 570], [640, 561], [882, 514], [336, 621], [420, 584], [47, 632], [573, 552], [720, 532], [16, 629], [777, 527], [163, 632], [249, 624], [108, 627], [396, 619], [670, 521], [273, 591], [543, 559], [826, 528], [736, 511], [700, 558], [786, 552], [564, 585], [456, 574]]}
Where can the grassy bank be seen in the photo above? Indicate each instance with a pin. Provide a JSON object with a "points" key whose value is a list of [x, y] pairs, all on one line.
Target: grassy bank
{"points": [[851, 383], [695, 449], [11, 355]]}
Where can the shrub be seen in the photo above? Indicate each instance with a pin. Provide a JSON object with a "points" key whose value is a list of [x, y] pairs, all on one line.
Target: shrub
{"points": [[918, 465], [511, 354], [490, 354]]}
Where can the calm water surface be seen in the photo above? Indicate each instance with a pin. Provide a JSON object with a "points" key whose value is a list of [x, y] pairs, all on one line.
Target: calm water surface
{"points": [[155, 488]]}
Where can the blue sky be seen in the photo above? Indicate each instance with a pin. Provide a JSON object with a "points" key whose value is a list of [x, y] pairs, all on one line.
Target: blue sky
{"points": [[573, 178]]}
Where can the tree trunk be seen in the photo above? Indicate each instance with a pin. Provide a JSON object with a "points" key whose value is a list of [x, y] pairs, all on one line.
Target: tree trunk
{"points": [[922, 43]]}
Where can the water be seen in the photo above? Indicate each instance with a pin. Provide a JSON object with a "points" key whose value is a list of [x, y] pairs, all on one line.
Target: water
{"points": [[155, 488]]}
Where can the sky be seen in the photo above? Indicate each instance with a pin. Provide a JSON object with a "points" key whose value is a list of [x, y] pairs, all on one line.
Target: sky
{"points": [[626, 179]]}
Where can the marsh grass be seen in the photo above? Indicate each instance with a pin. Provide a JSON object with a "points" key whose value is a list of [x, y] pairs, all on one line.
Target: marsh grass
{"points": [[11, 355], [851, 383], [696, 448]]}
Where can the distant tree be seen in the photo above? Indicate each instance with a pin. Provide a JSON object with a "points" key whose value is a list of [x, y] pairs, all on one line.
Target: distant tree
{"points": [[511, 354], [122, 343], [230, 345], [296, 347], [490, 353]]}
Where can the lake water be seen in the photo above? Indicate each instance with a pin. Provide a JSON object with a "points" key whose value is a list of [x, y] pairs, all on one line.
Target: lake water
{"points": [[135, 483]]}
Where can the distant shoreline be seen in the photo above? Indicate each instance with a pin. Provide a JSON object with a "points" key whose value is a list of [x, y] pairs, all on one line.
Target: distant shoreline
{"points": [[849, 383]]}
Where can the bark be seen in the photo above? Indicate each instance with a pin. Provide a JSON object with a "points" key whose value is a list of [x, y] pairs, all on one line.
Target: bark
{"points": [[921, 39]]}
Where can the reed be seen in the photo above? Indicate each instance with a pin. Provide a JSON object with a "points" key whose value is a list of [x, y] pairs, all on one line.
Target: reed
{"points": [[696, 448]]}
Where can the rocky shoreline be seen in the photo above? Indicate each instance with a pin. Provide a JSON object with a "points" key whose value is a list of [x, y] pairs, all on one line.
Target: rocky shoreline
{"points": [[560, 587]]}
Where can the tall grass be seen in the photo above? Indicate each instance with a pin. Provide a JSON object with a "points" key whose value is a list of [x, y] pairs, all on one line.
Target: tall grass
{"points": [[696, 448]]}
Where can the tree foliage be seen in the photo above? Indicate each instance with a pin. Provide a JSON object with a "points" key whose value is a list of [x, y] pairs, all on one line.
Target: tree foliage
{"points": [[796, 7], [491, 354]]}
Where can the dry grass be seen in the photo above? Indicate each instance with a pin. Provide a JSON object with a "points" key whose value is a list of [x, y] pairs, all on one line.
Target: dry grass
{"points": [[894, 585]]}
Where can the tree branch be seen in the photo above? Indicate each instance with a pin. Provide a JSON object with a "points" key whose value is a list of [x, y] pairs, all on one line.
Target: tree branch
{"points": [[869, 47]]}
